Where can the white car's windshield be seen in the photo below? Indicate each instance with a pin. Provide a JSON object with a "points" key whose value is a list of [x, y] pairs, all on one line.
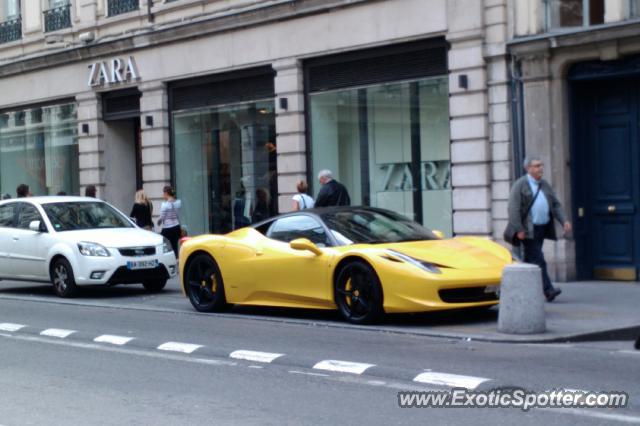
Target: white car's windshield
{"points": [[75, 216]]}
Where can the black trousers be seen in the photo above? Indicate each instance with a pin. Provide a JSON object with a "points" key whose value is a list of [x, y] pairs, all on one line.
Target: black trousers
{"points": [[533, 254], [173, 235]]}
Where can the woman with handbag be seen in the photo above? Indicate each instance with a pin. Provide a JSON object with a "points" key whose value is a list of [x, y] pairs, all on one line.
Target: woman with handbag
{"points": [[170, 217]]}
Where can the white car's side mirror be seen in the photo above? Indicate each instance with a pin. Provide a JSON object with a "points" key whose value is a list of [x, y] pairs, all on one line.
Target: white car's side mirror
{"points": [[36, 225]]}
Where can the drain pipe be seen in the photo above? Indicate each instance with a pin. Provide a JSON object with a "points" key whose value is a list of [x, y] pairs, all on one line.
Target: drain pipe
{"points": [[517, 117], [150, 16]]}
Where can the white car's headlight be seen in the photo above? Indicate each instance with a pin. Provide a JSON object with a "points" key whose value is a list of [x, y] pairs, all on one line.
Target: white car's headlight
{"points": [[166, 246], [92, 249]]}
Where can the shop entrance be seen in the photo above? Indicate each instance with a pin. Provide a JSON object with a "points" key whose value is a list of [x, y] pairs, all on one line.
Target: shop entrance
{"points": [[122, 152]]}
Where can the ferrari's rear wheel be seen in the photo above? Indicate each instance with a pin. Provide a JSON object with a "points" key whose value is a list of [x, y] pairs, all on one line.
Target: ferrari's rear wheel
{"points": [[358, 293], [204, 284]]}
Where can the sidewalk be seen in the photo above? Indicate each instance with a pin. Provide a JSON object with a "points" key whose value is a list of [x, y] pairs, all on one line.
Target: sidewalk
{"points": [[593, 310]]}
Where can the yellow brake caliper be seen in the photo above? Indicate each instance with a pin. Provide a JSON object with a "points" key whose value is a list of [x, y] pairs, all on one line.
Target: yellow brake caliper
{"points": [[214, 284]]}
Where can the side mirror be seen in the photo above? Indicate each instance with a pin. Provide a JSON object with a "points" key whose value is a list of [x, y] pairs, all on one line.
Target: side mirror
{"points": [[37, 226], [305, 244], [438, 234]]}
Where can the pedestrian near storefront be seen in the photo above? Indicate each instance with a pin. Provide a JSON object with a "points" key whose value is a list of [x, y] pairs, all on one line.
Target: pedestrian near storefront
{"points": [[332, 193], [533, 207], [301, 200], [261, 209], [22, 191], [170, 217], [91, 191], [142, 211]]}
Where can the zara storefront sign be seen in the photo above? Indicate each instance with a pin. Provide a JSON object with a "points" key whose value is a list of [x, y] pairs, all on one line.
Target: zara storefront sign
{"points": [[115, 71]]}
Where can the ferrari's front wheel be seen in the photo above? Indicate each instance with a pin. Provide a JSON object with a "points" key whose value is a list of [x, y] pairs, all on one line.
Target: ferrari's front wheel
{"points": [[204, 284], [358, 293]]}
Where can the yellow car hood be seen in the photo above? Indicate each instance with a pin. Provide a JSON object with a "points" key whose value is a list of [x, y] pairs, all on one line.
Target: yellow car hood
{"points": [[457, 253]]}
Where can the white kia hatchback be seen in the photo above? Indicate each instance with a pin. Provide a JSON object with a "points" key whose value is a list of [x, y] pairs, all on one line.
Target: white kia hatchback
{"points": [[74, 241]]}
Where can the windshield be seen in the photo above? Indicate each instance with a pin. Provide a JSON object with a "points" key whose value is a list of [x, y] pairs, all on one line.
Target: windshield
{"points": [[84, 215], [364, 226]]}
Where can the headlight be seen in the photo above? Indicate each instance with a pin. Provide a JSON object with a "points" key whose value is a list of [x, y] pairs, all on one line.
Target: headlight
{"points": [[166, 246], [92, 249], [425, 266]]}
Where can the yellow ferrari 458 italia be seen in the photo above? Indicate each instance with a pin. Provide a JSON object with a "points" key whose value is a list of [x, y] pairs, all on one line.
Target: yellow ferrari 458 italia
{"points": [[362, 261]]}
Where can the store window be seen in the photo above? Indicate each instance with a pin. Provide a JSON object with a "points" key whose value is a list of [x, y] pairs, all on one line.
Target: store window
{"points": [[389, 145], [225, 165], [39, 147], [573, 13]]}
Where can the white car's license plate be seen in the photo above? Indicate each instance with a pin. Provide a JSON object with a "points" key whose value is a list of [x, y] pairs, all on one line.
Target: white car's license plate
{"points": [[142, 264]]}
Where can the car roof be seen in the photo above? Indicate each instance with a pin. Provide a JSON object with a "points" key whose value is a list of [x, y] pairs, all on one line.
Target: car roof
{"points": [[47, 199]]}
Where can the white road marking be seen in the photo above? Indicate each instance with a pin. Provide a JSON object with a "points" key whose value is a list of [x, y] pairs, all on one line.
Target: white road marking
{"points": [[342, 366], [256, 366], [7, 326], [596, 414], [57, 332], [185, 348], [306, 373], [572, 390], [254, 356], [399, 385], [629, 352], [452, 380], [114, 340]]}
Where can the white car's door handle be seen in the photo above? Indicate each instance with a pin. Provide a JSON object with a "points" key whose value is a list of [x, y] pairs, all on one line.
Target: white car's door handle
{"points": [[15, 238]]}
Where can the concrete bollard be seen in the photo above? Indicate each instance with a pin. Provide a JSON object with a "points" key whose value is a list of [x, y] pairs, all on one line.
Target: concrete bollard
{"points": [[521, 309]]}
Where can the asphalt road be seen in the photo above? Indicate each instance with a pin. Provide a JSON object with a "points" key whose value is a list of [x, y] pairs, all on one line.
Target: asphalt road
{"points": [[119, 355]]}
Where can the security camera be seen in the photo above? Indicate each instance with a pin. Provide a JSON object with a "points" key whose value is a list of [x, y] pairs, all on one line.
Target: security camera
{"points": [[87, 37]]}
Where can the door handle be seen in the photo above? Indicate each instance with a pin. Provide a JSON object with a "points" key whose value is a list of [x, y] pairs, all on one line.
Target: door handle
{"points": [[580, 211], [15, 238], [611, 209]]}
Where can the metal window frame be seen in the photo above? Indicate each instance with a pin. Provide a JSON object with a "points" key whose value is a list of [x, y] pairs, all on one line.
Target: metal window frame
{"points": [[586, 14]]}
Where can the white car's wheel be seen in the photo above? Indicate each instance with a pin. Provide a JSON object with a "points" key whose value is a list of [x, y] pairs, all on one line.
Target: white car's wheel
{"points": [[64, 283], [155, 286]]}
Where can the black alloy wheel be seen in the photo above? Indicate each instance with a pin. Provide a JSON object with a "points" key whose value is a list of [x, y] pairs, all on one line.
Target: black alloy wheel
{"points": [[358, 293], [204, 286], [155, 286], [62, 278]]}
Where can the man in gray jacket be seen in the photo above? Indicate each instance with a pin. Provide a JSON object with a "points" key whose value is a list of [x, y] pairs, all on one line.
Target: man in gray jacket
{"points": [[532, 208]]}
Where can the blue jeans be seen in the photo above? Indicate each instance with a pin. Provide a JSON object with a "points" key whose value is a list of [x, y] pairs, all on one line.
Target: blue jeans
{"points": [[533, 254]]}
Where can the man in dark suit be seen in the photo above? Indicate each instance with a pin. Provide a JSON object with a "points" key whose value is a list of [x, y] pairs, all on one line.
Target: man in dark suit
{"points": [[332, 193]]}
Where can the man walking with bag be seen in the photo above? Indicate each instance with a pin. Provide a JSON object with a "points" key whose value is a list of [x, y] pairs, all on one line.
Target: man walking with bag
{"points": [[532, 208]]}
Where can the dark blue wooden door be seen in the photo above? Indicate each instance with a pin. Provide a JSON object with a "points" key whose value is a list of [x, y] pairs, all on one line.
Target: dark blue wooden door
{"points": [[607, 182]]}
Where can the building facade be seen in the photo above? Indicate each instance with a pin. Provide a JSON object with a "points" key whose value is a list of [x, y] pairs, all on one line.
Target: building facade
{"points": [[576, 80], [233, 102]]}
